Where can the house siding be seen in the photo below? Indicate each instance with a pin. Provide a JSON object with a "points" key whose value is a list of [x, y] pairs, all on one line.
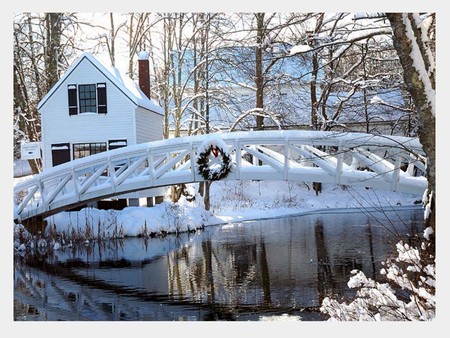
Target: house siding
{"points": [[148, 126]]}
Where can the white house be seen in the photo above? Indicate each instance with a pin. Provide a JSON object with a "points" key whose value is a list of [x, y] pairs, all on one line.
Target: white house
{"points": [[94, 108]]}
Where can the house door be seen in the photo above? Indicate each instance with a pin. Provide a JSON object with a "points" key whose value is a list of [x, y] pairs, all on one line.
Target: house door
{"points": [[60, 153]]}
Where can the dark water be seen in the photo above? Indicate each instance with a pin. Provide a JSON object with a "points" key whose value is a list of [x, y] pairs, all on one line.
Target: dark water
{"points": [[235, 272]]}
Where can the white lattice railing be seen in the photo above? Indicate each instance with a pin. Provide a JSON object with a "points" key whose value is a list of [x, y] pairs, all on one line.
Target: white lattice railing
{"points": [[382, 162]]}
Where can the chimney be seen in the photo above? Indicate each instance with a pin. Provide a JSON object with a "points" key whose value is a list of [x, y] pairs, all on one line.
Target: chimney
{"points": [[144, 73]]}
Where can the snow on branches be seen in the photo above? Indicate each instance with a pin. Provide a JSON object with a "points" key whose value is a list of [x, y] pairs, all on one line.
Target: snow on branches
{"points": [[382, 301]]}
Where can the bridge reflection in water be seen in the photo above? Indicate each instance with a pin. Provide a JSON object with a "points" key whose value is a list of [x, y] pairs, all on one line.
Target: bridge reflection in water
{"points": [[232, 272]]}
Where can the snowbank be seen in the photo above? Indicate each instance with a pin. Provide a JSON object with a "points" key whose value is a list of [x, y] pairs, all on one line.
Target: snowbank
{"points": [[231, 201]]}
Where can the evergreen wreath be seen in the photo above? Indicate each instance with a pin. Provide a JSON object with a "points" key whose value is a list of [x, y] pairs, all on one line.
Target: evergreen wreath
{"points": [[215, 172]]}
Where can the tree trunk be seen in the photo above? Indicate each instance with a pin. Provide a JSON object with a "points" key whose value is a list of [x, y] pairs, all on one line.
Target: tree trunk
{"points": [[207, 199], [314, 76], [259, 79], [53, 44], [409, 48], [313, 91], [111, 42]]}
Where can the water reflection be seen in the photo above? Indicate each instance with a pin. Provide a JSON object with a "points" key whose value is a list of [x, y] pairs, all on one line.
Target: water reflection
{"points": [[232, 272]]}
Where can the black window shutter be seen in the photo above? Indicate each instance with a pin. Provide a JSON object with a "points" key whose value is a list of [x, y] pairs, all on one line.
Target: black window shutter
{"points": [[101, 98], [73, 102]]}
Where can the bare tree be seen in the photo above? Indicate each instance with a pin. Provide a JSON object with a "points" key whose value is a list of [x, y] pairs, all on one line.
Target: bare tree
{"points": [[183, 77], [347, 61], [139, 37], [43, 42]]}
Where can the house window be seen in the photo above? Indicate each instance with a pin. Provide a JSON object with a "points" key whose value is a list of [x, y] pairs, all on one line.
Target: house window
{"points": [[85, 149], [87, 98], [114, 144]]}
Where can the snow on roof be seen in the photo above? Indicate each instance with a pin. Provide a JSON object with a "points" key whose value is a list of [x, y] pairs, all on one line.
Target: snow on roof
{"points": [[120, 80]]}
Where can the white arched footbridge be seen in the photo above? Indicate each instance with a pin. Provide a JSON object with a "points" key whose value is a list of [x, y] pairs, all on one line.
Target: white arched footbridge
{"points": [[377, 161]]}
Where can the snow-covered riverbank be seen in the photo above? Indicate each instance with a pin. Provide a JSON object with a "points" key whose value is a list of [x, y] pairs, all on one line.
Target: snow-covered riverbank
{"points": [[231, 201]]}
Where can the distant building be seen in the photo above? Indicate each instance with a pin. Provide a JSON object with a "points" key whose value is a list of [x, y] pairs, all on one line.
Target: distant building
{"points": [[95, 108]]}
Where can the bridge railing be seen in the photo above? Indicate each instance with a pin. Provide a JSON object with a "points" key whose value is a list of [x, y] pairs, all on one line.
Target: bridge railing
{"points": [[383, 162]]}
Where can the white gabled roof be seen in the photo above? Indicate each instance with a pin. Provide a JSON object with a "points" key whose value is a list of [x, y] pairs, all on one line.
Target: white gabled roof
{"points": [[123, 82]]}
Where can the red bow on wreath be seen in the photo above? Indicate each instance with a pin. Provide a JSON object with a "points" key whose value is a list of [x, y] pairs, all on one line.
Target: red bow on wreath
{"points": [[215, 151]]}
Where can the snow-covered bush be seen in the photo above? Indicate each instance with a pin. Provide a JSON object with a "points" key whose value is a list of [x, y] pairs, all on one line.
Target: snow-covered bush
{"points": [[409, 294]]}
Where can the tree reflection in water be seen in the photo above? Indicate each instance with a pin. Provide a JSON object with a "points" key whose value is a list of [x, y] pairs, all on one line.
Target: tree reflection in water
{"points": [[234, 272], [326, 283]]}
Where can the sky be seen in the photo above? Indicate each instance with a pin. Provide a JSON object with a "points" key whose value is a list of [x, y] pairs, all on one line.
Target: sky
{"points": [[328, 196]]}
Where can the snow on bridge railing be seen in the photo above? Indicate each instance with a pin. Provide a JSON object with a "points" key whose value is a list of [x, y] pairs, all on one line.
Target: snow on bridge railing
{"points": [[378, 161]]}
